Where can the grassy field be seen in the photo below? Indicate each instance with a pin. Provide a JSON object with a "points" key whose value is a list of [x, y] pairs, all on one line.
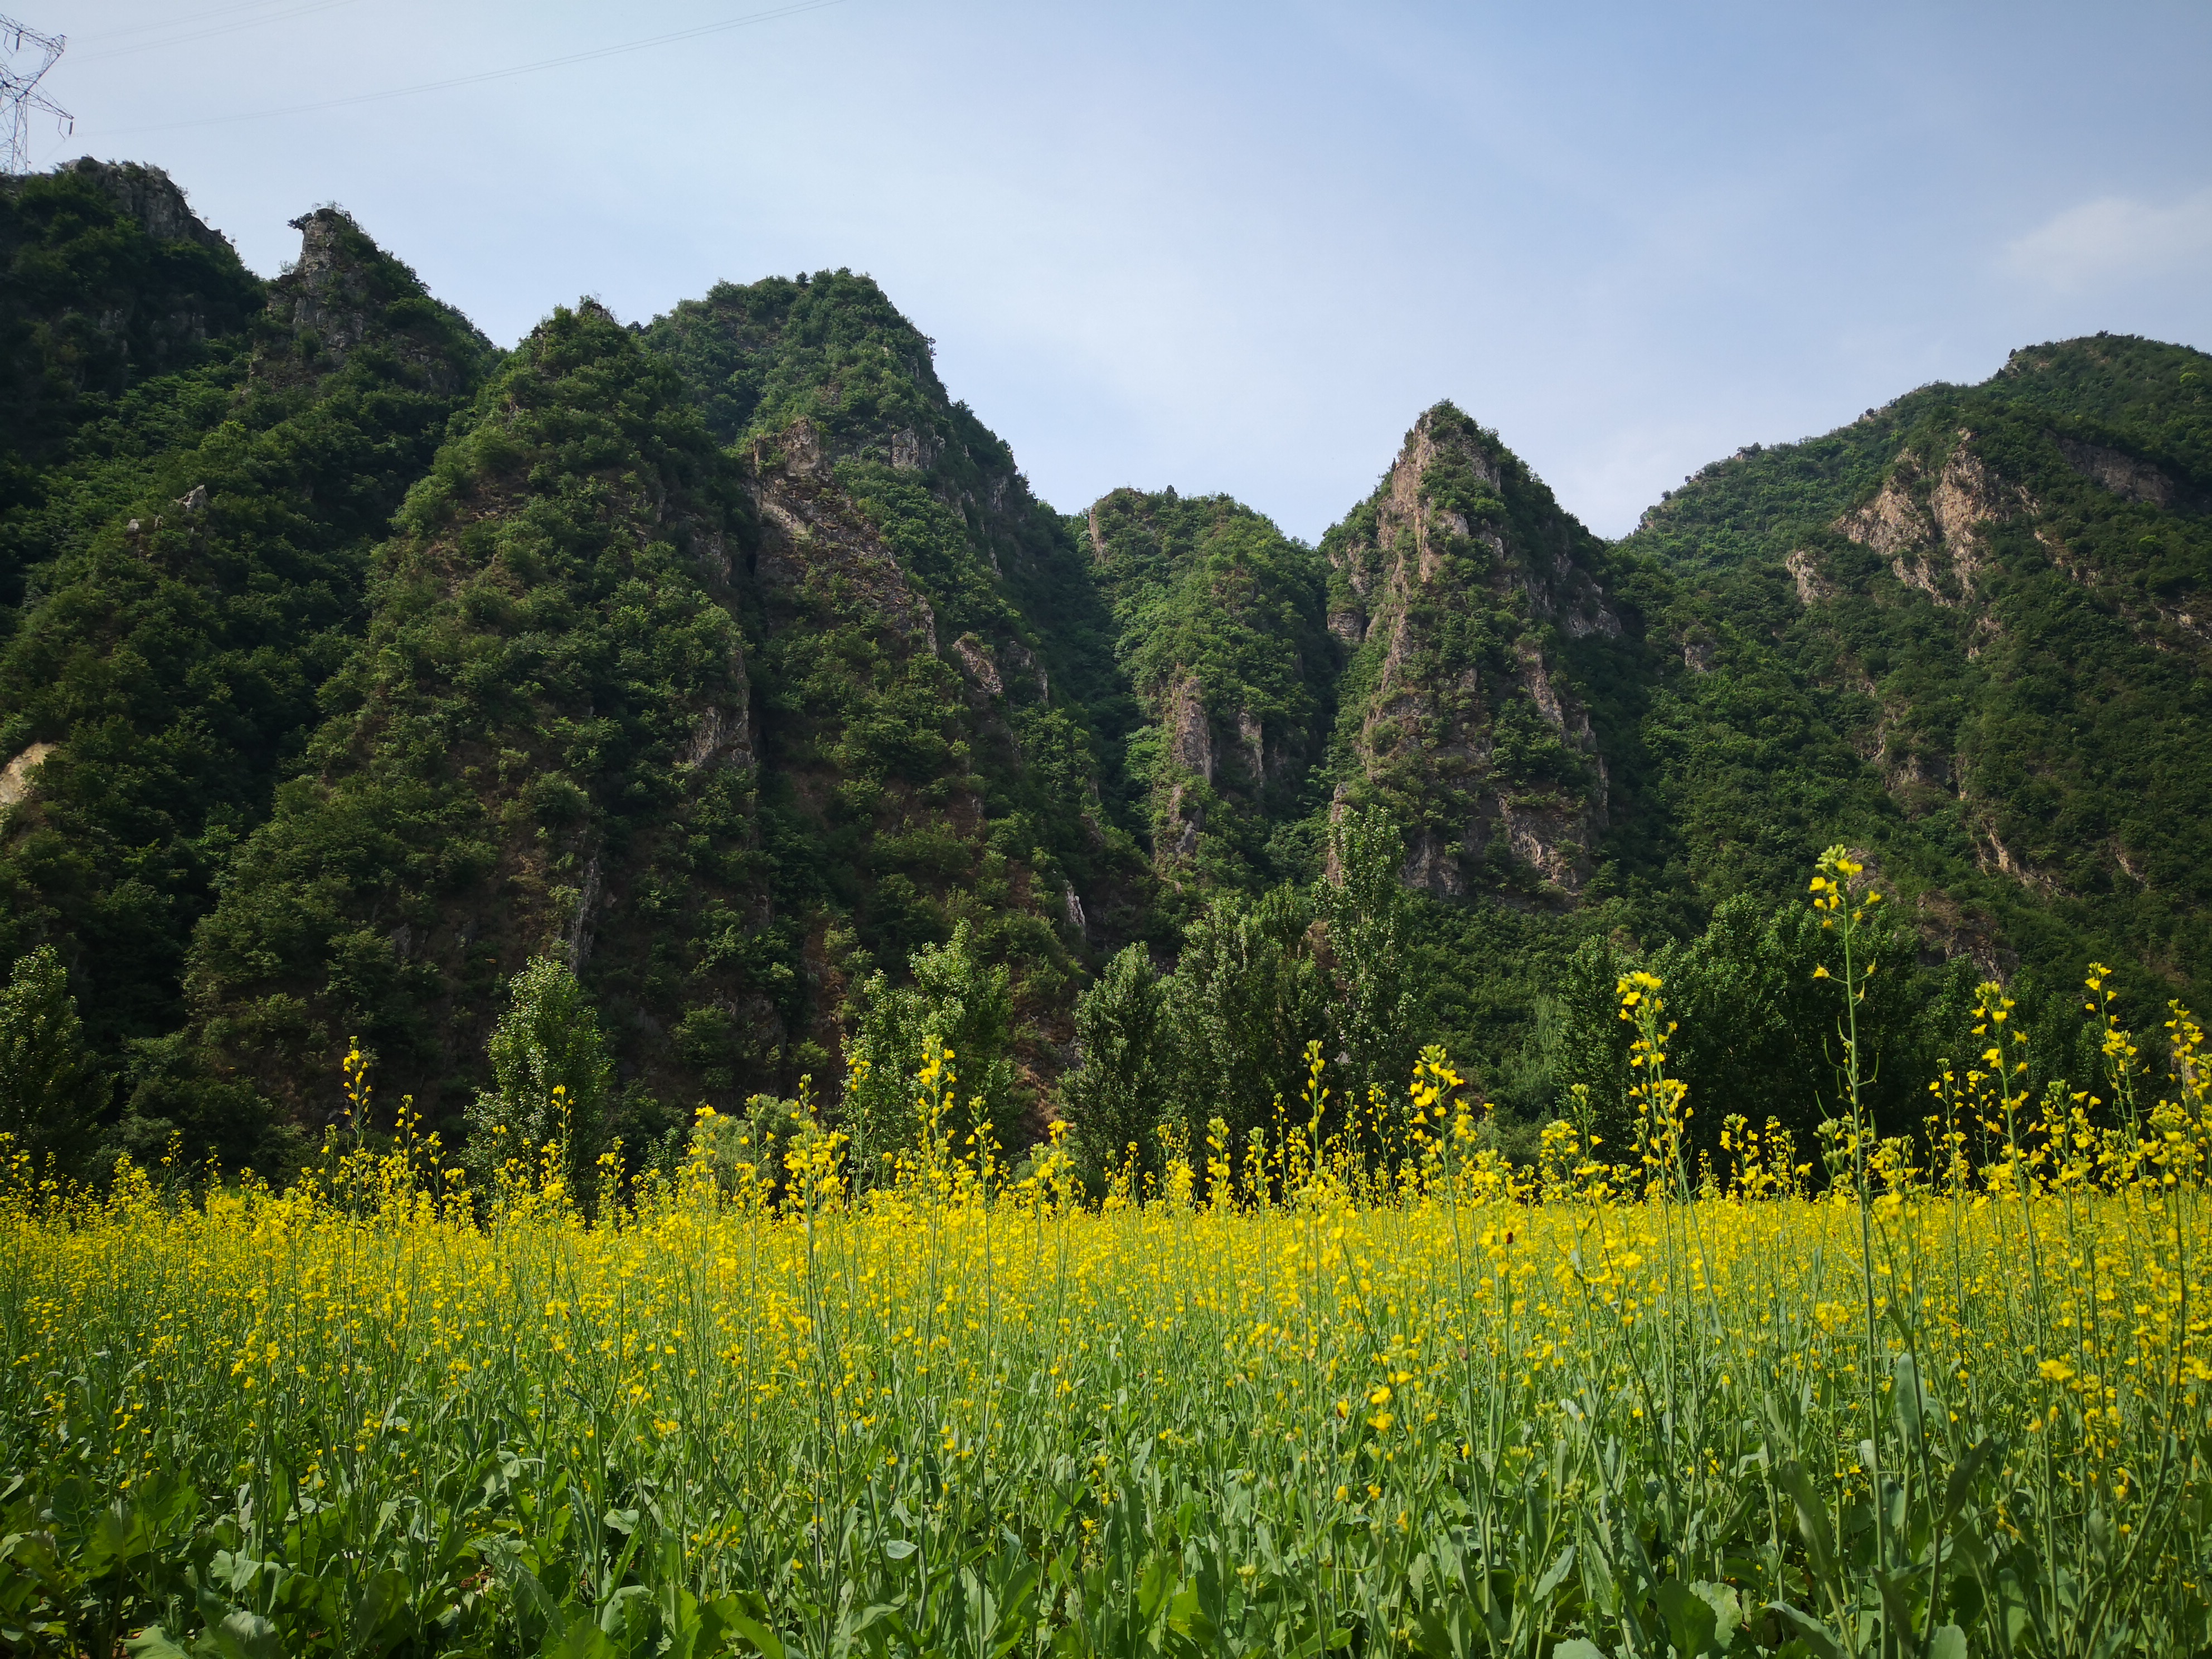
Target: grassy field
{"points": [[1933, 1398], [353, 1419]]}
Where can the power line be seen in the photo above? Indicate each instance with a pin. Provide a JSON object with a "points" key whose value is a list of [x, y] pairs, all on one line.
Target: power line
{"points": [[202, 34], [19, 92], [494, 75]]}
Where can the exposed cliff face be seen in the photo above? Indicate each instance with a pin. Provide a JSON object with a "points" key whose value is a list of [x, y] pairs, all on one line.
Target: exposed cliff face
{"points": [[1219, 622], [939, 719], [1458, 581], [825, 387], [343, 293], [1931, 526], [2131, 477], [818, 547], [148, 197]]}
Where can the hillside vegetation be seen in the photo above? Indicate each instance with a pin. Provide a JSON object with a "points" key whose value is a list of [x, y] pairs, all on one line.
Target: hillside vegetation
{"points": [[360, 682]]}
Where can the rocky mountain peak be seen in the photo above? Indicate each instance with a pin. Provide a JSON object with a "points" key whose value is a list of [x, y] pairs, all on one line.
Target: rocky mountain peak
{"points": [[149, 195], [1457, 582], [326, 290], [344, 292]]}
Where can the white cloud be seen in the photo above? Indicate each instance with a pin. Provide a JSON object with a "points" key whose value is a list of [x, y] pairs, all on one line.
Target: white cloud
{"points": [[2115, 237]]}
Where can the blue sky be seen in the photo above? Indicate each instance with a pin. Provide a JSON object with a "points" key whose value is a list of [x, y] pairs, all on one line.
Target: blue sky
{"points": [[1239, 247]]}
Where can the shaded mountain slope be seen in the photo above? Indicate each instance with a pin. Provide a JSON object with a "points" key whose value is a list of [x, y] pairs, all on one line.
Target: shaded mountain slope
{"points": [[196, 560], [726, 717], [941, 714], [1220, 620], [108, 281], [543, 747]]}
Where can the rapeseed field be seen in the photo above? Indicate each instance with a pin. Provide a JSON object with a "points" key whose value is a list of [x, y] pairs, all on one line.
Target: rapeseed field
{"points": [[1373, 1391]]}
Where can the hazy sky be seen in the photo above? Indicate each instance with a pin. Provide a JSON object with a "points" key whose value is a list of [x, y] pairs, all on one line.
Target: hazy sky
{"points": [[1239, 247]]}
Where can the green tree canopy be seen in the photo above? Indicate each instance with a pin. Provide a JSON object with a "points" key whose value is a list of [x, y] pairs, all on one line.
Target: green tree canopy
{"points": [[51, 1090], [548, 1040]]}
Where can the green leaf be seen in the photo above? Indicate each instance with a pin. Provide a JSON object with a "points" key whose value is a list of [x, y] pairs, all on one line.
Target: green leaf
{"points": [[242, 1635], [383, 1605], [1909, 1398], [154, 1643], [1809, 1631], [1556, 1574], [630, 1603], [1959, 1486], [1690, 1620], [1728, 1611], [1811, 1517], [764, 1640], [583, 1639], [1576, 1647], [1947, 1641]]}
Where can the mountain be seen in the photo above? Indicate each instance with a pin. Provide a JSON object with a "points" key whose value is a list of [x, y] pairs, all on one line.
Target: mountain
{"points": [[716, 657], [543, 741], [1219, 624], [1969, 632], [197, 554], [348, 665], [1481, 634], [941, 715], [107, 280]]}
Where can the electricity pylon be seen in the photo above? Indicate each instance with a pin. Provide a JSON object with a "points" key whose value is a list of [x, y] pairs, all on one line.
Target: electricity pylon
{"points": [[18, 89]]}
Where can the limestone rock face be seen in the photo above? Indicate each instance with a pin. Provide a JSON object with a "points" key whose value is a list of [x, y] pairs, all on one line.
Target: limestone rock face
{"points": [[1462, 580], [327, 291], [16, 777], [1930, 525], [149, 195], [814, 543], [344, 292], [1222, 627], [2129, 477]]}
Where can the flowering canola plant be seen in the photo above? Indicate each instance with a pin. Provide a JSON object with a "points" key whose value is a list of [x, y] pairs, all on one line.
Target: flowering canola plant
{"points": [[1446, 1407]]}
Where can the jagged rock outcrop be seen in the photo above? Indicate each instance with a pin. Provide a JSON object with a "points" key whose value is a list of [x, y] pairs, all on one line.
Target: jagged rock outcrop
{"points": [[1929, 526], [150, 198], [343, 292], [818, 547], [16, 777], [1220, 620], [1460, 580], [2131, 477]]}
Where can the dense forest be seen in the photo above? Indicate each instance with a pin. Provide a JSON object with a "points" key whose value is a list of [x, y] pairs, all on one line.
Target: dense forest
{"points": [[706, 711]]}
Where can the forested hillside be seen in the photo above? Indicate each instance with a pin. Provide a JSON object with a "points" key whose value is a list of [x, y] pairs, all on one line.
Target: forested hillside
{"points": [[195, 559], [1219, 623], [1969, 632], [359, 681]]}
